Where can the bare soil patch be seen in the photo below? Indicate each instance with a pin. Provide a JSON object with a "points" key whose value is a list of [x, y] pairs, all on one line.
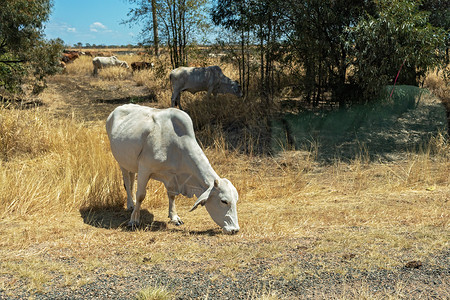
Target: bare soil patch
{"points": [[90, 98]]}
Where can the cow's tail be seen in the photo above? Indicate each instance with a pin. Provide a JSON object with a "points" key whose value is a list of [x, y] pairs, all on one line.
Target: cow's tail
{"points": [[170, 79]]}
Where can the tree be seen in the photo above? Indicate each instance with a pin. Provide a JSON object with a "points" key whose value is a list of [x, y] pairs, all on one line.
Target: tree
{"points": [[317, 39], [399, 34], [179, 21], [254, 22], [440, 17], [232, 15], [24, 53], [309, 34], [266, 19], [155, 28]]}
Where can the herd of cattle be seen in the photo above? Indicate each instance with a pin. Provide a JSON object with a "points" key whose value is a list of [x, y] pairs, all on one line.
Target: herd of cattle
{"points": [[102, 60], [210, 79]]}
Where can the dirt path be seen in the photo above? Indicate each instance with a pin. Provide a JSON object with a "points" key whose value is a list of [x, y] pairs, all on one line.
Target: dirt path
{"points": [[89, 98]]}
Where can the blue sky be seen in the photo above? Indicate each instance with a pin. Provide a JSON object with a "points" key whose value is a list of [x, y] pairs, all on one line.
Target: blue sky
{"points": [[91, 21]]}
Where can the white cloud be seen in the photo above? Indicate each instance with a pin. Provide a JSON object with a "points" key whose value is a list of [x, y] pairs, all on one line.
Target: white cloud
{"points": [[60, 27], [99, 27]]}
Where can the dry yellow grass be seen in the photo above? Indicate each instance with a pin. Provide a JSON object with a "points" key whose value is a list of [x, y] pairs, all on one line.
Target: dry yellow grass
{"points": [[56, 172], [52, 163], [440, 87]]}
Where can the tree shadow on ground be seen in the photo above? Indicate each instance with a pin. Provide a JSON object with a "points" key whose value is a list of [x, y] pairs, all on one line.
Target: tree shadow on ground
{"points": [[150, 98], [380, 130], [117, 218]]}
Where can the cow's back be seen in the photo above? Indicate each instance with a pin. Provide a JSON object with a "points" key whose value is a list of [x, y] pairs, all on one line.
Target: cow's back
{"points": [[101, 61], [97, 62], [139, 132], [194, 79]]}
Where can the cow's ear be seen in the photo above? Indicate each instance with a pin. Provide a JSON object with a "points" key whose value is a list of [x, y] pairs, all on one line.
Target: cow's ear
{"points": [[202, 199], [199, 201]]}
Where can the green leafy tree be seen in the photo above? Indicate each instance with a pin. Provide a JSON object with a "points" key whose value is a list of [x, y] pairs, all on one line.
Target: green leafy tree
{"points": [[317, 40], [440, 17], [310, 34], [234, 15], [25, 56], [398, 35], [254, 22]]}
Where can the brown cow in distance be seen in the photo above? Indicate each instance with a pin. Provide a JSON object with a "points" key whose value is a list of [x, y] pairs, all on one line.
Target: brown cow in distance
{"points": [[69, 57], [141, 65], [104, 53], [71, 51]]}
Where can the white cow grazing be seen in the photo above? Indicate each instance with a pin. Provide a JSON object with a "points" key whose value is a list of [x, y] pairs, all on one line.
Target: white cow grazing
{"points": [[160, 144], [101, 62], [210, 79]]}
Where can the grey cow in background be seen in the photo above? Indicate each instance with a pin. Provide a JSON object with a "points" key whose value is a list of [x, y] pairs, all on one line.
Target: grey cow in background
{"points": [[210, 79], [101, 62]]}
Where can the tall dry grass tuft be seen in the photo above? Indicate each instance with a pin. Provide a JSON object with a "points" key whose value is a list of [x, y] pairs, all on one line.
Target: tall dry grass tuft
{"points": [[81, 66], [154, 293], [430, 164], [156, 81], [439, 84], [54, 166], [114, 73]]}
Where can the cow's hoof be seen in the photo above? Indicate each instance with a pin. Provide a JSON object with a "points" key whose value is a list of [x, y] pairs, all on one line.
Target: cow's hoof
{"points": [[133, 225], [177, 222]]}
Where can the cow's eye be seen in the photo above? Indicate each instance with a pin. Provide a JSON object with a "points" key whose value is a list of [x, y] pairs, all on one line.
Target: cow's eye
{"points": [[224, 202]]}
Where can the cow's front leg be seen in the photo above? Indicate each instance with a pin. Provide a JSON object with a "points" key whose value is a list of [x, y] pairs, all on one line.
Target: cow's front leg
{"points": [[175, 100], [173, 216]]}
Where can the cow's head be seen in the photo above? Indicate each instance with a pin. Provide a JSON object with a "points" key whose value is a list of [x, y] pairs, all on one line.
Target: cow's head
{"points": [[237, 89], [220, 201]]}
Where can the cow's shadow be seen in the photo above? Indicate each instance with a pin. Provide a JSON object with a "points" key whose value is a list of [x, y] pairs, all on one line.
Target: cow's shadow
{"points": [[117, 218]]}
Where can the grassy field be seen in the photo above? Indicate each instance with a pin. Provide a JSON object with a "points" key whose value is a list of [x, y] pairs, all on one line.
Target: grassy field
{"points": [[341, 229]]}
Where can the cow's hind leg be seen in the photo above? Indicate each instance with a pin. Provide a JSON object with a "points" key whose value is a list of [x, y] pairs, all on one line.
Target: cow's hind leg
{"points": [[142, 180], [128, 182], [173, 216]]}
